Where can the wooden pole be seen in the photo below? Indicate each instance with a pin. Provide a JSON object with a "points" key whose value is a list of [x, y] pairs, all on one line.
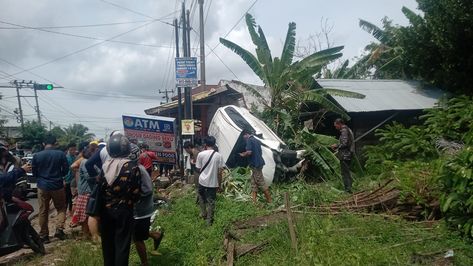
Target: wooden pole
{"points": [[292, 230]]}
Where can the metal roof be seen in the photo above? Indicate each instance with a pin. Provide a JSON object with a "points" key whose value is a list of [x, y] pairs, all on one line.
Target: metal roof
{"points": [[383, 95], [195, 98]]}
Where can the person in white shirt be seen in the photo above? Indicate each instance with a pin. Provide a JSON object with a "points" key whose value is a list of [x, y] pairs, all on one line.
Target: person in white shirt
{"points": [[210, 165]]}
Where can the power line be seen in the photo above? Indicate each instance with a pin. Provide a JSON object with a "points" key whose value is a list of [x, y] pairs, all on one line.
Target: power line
{"points": [[220, 59], [83, 36], [133, 11], [79, 26], [83, 49], [234, 26]]}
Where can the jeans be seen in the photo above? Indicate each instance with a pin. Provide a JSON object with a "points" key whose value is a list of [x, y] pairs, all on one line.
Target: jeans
{"points": [[207, 196], [116, 227], [346, 175], [59, 201]]}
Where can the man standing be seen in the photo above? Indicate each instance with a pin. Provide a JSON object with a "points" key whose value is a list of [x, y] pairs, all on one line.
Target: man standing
{"points": [[210, 165], [71, 157], [253, 150], [193, 153], [49, 167], [346, 148]]}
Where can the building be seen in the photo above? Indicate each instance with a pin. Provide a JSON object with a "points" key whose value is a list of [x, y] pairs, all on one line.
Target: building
{"points": [[385, 101], [207, 100]]}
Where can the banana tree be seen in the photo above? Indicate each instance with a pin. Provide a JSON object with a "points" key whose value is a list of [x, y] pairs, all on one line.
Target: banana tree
{"points": [[291, 84]]}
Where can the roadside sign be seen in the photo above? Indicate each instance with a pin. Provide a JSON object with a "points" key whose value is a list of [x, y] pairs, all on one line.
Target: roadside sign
{"points": [[188, 127], [186, 72], [158, 132]]}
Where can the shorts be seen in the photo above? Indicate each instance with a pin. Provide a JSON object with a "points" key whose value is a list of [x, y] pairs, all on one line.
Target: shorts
{"points": [[141, 232], [257, 179]]}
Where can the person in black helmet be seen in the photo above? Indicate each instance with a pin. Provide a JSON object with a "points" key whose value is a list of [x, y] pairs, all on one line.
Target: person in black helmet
{"points": [[121, 189]]}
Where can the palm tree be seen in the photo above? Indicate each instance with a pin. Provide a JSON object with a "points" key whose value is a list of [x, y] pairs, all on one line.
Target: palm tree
{"points": [[290, 83], [75, 133], [386, 55]]}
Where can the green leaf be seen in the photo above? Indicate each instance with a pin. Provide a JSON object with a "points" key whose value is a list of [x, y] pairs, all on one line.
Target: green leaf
{"points": [[248, 57], [289, 45], [374, 30]]}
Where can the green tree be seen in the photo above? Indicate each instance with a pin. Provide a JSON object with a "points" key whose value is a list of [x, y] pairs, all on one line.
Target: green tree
{"points": [[75, 133], [33, 134], [291, 84], [57, 132], [435, 47]]}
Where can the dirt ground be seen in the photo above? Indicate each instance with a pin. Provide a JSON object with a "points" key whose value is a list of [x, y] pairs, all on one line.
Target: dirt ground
{"points": [[54, 250]]}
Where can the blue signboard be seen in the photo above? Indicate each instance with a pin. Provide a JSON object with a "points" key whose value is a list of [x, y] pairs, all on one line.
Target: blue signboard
{"points": [[158, 132], [186, 72]]}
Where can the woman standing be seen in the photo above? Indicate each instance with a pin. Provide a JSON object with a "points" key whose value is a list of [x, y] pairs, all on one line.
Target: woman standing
{"points": [[121, 188]]}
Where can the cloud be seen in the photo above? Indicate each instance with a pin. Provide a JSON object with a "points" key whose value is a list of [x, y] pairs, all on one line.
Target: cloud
{"points": [[103, 82]]}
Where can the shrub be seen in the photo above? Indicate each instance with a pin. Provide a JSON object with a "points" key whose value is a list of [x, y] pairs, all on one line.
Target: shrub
{"points": [[457, 198]]}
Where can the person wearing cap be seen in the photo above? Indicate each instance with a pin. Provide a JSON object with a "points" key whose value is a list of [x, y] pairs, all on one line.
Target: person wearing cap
{"points": [[210, 165], [253, 150], [120, 185]]}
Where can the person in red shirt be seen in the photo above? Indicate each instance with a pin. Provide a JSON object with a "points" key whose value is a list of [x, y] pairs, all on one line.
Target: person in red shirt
{"points": [[147, 157]]}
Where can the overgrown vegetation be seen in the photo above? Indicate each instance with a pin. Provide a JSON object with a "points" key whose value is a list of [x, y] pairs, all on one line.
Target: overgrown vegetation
{"points": [[346, 239], [429, 162]]}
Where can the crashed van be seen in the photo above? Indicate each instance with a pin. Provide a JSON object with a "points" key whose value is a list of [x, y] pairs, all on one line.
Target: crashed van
{"points": [[227, 126]]}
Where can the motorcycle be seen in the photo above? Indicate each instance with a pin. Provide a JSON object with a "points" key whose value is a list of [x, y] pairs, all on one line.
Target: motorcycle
{"points": [[16, 230]]}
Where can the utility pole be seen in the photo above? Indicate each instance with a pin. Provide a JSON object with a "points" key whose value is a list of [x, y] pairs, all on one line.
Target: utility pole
{"points": [[202, 44], [37, 106], [18, 86], [166, 94], [179, 109]]}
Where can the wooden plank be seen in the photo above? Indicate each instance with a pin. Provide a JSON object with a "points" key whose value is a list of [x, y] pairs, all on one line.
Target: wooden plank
{"points": [[230, 252], [292, 230]]}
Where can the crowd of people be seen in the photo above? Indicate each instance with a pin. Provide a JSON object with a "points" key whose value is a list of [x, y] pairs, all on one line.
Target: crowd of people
{"points": [[107, 189]]}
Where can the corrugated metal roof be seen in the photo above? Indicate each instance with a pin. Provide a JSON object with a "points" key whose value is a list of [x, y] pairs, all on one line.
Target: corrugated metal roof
{"points": [[195, 98], [383, 95]]}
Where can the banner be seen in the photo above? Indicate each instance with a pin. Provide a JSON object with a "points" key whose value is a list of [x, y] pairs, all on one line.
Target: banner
{"points": [[188, 127], [158, 132]]}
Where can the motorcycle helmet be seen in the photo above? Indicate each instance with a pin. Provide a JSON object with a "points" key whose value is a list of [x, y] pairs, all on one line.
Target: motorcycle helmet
{"points": [[118, 146], [134, 152]]}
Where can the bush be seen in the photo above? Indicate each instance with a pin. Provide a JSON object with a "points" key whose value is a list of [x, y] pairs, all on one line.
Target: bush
{"points": [[398, 143], [457, 198]]}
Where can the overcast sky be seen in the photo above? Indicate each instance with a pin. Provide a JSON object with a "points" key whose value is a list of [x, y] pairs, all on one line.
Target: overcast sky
{"points": [[110, 70]]}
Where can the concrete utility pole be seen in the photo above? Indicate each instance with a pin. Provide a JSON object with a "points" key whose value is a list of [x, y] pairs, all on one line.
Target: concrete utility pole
{"points": [[202, 43], [37, 106], [18, 86], [180, 148]]}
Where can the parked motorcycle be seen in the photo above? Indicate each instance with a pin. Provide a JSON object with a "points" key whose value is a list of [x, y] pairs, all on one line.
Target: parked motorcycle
{"points": [[15, 228]]}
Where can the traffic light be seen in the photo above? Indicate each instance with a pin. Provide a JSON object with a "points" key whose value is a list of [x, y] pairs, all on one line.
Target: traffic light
{"points": [[43, 87]]}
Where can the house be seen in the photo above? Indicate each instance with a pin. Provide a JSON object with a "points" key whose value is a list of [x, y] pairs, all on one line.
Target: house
{"points": [[385, 101], [206, 101]]}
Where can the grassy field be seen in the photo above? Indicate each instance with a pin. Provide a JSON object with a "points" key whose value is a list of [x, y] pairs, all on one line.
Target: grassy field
{"points": [[346, 239]]}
